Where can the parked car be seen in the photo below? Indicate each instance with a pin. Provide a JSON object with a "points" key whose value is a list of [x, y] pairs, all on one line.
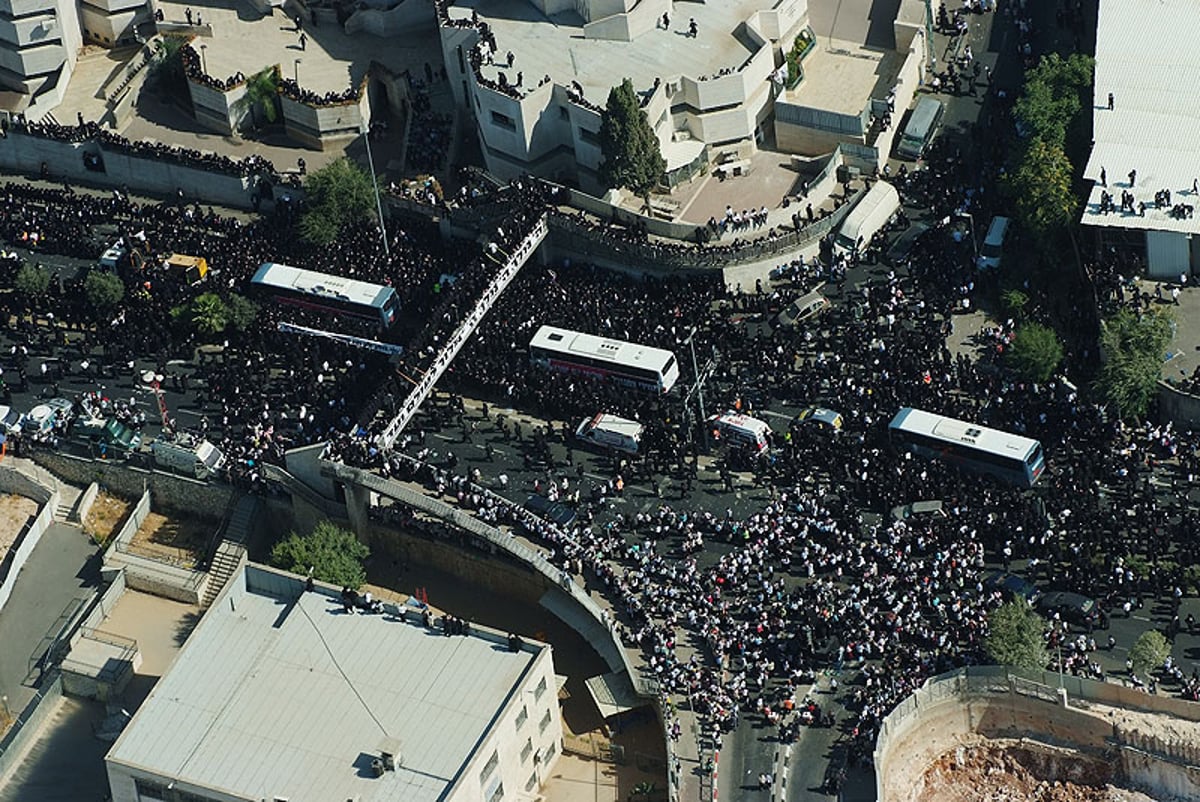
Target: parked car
{"points": [[904, 244], [553, 511], [108, 437], [800, 310], [10, 420], [919, 509], [820, 417], [1074, 608], [1012, 586]]}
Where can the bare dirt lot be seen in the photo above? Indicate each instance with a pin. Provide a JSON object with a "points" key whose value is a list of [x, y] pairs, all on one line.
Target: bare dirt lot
{"points": [[105, 517], [177, 541], [1013, 771], [15, 512]]}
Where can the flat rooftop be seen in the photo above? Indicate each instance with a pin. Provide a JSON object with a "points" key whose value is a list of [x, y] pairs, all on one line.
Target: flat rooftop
{"points": [[555, 46], [842, 77], [1142, 58], [279, 693]]}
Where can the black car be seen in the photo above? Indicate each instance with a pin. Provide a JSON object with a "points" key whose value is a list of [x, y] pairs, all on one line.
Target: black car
{"points": [[1012, 586], [1072, 607], [552, 511]]}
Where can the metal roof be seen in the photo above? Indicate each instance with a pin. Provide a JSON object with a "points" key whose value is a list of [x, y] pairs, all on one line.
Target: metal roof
{"points": [[321, 285], [1141, 58], [279, 693]]}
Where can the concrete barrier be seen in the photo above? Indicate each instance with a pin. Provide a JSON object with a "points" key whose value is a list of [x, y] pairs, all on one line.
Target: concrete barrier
{"points": [[1176, 405], [13, 481]]}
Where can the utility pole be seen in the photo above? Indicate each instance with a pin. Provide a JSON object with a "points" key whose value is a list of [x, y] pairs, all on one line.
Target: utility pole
{"points": [[698, 383], [375, 184]]}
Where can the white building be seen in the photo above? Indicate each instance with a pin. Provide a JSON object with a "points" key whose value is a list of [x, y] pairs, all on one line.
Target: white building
{"points": [[39, 44], [713, 89], [1142, 61], [280, 695]]}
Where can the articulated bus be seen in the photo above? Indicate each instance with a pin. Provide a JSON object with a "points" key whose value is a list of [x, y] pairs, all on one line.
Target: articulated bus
{"points": [[331, 294], [1015, 459], [641, 366]]}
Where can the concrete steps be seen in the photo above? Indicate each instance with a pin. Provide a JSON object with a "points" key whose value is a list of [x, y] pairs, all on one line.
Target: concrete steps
{"points": [[224, 563], [570, 613]]}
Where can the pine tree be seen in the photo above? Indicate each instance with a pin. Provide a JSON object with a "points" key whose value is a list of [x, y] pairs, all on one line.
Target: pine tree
{"points": [[632, 157]]}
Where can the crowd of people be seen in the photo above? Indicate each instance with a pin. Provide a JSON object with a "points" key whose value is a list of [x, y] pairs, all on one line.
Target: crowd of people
{"points": [[294, 91], [193, 68], [253, 164]]}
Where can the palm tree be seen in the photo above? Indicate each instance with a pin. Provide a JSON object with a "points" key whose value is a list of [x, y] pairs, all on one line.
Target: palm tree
{"points": [[262, 89], [209, 314]]}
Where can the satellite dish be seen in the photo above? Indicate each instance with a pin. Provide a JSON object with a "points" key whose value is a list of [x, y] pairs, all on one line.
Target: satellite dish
{"points": [[158, 377], [148, 377]]}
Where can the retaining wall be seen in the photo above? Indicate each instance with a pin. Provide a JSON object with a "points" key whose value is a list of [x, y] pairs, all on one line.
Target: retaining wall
{"points": [[12, 481], [149, 575], [23, 154], [1004, 703], [175, 493], [1176, 405]]}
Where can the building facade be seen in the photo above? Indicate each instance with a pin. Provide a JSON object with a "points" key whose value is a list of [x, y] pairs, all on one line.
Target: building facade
{"points": [[39, 45]]}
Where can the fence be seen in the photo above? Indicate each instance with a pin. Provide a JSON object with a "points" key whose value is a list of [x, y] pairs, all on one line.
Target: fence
{"points": [[113, 669]]}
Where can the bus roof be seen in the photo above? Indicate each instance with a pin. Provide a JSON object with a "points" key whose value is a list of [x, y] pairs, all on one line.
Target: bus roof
{"points": [[880, 193], [956, 431], [626, 353], [321, 285]]}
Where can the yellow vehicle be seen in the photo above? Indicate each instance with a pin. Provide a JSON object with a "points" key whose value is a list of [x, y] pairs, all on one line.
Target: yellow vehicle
{"points": [[193, 269]]}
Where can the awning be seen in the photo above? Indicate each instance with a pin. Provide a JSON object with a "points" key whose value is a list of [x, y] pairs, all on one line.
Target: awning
{"points": [[613, 693]]}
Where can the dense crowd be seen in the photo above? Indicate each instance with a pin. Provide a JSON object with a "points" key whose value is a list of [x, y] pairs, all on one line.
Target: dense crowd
{"points": [[110, 140]]}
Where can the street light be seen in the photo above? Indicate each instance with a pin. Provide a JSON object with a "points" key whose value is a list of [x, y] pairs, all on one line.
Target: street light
{"points": [[375, 183], [296, 71], [203, 66]]}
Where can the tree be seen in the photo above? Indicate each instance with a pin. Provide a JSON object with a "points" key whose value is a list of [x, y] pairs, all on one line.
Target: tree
{"points": [[1133, 347], [333, 554], [632, 156], [32, 281], [1036, 352], [167, 70], [1055, 93], [1015, 302], [1149, 651], [262, 91], [209, 314], [1015, 636], [340, 193], [103, 290], [1041, 189], [241, 311]]}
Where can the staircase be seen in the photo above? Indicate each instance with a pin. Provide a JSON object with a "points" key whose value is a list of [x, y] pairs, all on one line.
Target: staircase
{"points": [[570, 613], [231, 550], [68, 502]]}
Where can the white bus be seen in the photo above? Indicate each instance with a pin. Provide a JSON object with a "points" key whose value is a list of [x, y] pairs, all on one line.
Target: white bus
{"points": [[1010, 457], [641, 366], [333, 295]]}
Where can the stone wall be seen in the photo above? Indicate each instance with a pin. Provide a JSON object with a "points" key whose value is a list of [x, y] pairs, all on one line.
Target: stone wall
{"points": [[207, 500], [13, 560], [994, 702], [24, 154], [1178, 406]]}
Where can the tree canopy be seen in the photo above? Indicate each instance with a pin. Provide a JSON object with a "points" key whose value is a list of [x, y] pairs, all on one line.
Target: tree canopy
{"points": [[262, 92], [103, 290], [1041, 188], [1055, 93], [1015, 636], [340, 193], [632, 156], [1133, 347], [32, 280], [1036, 352], [1149, 651], [333, 554]]}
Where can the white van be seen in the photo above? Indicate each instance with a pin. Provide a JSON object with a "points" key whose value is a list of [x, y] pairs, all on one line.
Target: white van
{"points": [[610, 431], [199, 460], [872, 213], [741, 431], [993, 244]]}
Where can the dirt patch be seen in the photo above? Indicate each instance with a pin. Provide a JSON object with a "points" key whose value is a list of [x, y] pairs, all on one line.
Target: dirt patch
{"points": [[178, 541], [105, 518], [15, 512], [1013, 771]]}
